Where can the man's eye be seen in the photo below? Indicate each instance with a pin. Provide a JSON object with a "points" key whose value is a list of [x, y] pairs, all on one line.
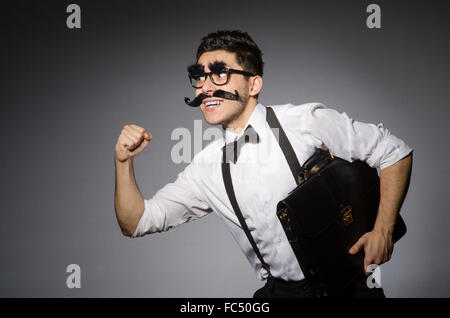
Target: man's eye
{"points": [[223, 75]]}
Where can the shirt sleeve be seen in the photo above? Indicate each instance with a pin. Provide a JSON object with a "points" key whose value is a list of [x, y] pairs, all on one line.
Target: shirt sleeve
{"points": [[174, 204], [353, 140]]}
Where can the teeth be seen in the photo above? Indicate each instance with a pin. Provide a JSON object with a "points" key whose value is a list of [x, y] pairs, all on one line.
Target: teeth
{"points": [[209, 104]]}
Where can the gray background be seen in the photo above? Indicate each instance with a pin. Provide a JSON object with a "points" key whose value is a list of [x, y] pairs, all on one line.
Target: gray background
{"points": [[65, 95]]}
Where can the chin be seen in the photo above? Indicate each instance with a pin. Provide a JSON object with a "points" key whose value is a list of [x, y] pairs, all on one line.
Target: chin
{"points": [[222, 115], [214, 120]]}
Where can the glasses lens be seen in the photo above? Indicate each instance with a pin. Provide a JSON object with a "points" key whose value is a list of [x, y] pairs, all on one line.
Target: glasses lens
{"points": [[197, 81], [220, 78]]}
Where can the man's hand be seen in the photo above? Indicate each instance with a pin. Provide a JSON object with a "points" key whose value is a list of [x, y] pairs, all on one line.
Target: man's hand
{"points": [[377, 247], [132, 140]]}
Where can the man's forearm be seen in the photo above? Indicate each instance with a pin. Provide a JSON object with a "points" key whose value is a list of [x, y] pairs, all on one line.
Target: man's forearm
{"points": [[128, 201], [394, 183]]}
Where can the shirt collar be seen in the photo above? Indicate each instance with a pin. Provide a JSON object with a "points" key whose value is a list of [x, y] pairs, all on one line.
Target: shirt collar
{"points": [[257, 120]]}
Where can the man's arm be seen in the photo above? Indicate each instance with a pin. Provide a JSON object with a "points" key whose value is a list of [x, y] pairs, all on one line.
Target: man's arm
{"points": [[128, 200], [394, 183], [176, 203]]}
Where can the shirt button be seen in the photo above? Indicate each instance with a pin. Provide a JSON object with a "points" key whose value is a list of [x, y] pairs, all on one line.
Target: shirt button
{"points": [[289, 270]]}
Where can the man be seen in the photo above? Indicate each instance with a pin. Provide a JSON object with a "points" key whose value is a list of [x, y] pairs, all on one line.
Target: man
{"points": [[227, 77]]}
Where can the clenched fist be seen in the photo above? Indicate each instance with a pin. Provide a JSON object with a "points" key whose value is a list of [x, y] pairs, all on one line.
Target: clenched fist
{"points": [[132, 140]]}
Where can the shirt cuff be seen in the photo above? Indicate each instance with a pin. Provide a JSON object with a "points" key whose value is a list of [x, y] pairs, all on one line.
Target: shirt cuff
{"points": [[140, 228], [389, 151]]}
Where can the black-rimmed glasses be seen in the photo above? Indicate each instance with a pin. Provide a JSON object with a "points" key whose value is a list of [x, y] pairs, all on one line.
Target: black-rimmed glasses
{"points": [[218, 79]]}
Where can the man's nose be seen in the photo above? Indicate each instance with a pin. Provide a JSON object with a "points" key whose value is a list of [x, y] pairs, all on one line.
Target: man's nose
{"points": [[208, 87]]}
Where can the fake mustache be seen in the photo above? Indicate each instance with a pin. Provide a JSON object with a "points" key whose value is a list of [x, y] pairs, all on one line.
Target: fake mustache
{"points": [[219, 93]]}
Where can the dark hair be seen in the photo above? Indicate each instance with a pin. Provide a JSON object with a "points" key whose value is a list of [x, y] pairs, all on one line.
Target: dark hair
{"points": [[248, 55]]}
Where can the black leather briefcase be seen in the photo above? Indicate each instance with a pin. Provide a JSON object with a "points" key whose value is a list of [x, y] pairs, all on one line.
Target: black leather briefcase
{"points": [[333, 205]]}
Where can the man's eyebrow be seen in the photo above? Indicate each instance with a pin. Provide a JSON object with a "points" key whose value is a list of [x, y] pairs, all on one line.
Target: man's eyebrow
{"points": [[196, 69], [217, 66]]}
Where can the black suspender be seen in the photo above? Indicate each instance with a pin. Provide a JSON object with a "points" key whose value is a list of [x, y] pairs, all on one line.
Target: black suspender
{"points": [[230, 191], [285, 145], [294, 165]]}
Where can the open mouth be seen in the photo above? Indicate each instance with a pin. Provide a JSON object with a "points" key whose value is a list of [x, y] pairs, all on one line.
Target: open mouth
{"points": [[211, 105]]}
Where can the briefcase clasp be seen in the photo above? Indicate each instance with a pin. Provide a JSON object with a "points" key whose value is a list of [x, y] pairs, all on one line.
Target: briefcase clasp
{"points": [[347, 217], [283, 215], [303, 176]]}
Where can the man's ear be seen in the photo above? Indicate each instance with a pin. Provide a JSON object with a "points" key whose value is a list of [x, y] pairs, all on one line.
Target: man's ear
{"points": [[256, 83]]}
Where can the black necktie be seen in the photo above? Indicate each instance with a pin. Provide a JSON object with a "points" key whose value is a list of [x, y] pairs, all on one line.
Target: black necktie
{"points": [[231, 150]]}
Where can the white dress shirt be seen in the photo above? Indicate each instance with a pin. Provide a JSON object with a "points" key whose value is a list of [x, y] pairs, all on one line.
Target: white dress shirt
{"points": [[261, 178]]}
